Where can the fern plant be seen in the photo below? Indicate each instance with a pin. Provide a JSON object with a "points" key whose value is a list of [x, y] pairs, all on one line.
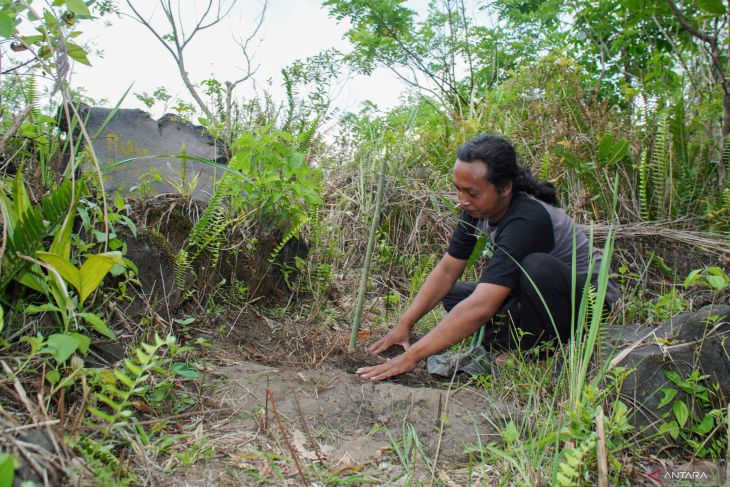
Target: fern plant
{"points": [[569, 469], [643, 196], [661, 169], [127, 382], [27, 226]]}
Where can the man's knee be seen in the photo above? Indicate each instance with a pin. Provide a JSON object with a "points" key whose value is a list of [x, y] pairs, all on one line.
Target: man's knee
{"points": [[537, 268]]}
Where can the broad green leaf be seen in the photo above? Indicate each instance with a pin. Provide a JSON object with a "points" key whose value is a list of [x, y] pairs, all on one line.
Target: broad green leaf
{"points": [[53, 376], [7, 24], [681, 412], [714, 7], [705, 426], [671, 427], [2, 319], [84, 342], [94, 270], [184, 370], [510, 433], [77, 53], [62, 346], [7, 470], [717, 283], [78, 7], [118, 201], [98, 324], [668, 396], [61, 244], [610, 152], [66, 269], [692, 277]]}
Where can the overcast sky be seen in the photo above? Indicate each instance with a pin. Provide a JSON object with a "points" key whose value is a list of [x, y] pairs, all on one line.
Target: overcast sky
{"points": [[292, 29]]}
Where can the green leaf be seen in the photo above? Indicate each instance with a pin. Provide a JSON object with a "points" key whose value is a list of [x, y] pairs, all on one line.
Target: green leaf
{"points": [[692, 277], [705, 426], [184, 370], [77, 53], [2, 319], [118, 201], [20, 195], [84, 342], [124, 378], [7, 470], [717, 283], [98, 324], [62, 346], [78, 7], [101, 414], [681, 412], [7, 24], [671, 427], [714, 7], [66, 269], [94, 270], [61, 244], [510, 433], [53, 376], [33, 309], [668, 396], [610, 152]]}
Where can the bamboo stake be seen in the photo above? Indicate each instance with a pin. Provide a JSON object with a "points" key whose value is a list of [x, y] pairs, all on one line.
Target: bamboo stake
{"points": [[601, 450], [368, 255]]}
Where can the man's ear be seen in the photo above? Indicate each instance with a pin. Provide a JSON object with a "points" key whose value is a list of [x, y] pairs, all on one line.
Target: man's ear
{"points": [[507, 189]]}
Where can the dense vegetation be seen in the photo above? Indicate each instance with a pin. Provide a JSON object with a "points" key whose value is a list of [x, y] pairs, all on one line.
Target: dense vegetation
{"points": [[623, 104]]}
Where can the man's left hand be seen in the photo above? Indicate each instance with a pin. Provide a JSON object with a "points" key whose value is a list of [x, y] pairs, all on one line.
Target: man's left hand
{"points": [[396, 366]]}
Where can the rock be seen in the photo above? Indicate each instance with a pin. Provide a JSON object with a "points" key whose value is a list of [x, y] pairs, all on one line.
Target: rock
{"points": [[155, 261], [133, 133], [688, 341]]}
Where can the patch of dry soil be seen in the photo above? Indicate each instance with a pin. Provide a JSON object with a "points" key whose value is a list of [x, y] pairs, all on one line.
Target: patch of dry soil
{"points": [[272, 381]]}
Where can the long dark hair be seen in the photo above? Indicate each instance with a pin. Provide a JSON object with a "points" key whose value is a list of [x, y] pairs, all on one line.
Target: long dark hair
{"points": [[502, 168]]}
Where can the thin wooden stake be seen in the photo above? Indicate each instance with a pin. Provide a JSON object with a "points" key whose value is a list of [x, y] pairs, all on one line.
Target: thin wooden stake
{"points": [[368, 256], [283, 434], [601, 450]]}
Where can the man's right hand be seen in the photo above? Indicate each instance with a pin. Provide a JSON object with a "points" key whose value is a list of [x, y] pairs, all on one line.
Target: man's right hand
{"points": [[399, 335]]}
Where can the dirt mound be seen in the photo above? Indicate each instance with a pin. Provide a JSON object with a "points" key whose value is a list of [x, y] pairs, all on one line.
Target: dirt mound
{"points": [[284, 395], [302, 345], [341, 415]]}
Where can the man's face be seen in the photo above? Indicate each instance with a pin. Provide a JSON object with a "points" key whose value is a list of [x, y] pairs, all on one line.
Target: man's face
{"points": [[477, 196]]}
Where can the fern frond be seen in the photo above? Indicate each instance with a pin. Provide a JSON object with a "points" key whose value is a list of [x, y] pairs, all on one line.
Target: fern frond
{"points": [[27, 232], [545, 167], [30, 90], [289, 98], [183, 269], [128, 382], [306, 136], [643, 197], [660, 167], [569, 468], [299, 221]]}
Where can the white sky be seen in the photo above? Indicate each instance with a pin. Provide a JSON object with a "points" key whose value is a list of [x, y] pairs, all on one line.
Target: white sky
{"points": [[292, 29]]}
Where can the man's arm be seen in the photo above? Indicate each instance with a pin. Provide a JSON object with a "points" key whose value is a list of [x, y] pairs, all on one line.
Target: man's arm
{"points": [[437, 285], [463, 320]]}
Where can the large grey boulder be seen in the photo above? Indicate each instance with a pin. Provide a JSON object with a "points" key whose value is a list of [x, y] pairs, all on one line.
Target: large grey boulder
{"points": [[133, 133], [689, 341]]}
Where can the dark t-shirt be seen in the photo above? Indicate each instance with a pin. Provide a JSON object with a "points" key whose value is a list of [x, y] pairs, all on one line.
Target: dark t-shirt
{"points": [[528, 226]]}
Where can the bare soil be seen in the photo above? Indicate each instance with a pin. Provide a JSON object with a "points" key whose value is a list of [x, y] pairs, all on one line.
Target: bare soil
{"points": [[281, 395]]}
